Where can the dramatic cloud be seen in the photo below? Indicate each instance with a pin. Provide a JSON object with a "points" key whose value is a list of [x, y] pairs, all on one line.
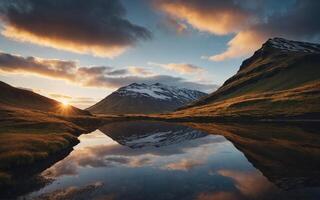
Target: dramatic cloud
{"points": [[182, 68], [216, 17], [95, 76], [243, 44], [98, 27], [252, 22]]}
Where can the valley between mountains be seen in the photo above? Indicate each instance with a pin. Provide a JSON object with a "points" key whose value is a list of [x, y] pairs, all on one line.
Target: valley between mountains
{"points": [[280, 82]]}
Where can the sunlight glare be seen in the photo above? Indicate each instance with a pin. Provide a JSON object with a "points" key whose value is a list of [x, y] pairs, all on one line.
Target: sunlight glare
{"points": [[65, 103]]}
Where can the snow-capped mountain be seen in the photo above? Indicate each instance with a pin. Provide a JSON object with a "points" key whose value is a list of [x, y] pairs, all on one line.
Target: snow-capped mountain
{"points": [[160, 91], [142, 99]]}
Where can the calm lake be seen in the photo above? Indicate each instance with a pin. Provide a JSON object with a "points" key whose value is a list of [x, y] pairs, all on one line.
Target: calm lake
{"points": [[158, 160]]}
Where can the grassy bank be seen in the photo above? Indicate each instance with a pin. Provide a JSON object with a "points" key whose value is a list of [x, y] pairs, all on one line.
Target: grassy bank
{"points": [[28, 137]]}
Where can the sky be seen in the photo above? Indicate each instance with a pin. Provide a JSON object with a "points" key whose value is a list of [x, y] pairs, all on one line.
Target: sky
{"points": [[80, 51]]}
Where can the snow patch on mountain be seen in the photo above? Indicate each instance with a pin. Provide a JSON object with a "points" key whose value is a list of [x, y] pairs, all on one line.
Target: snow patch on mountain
{"points": [[159, 91], [150, 91], [294, 46]]}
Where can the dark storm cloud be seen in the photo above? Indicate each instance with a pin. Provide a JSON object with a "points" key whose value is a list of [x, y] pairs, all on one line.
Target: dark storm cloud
{"points": [[94, 76], [96, 26], [298, 22]]}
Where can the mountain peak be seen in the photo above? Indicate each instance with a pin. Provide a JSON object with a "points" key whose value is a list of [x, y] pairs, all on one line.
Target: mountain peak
{"points": [[276, 46], [285, 45], [146, 98]]}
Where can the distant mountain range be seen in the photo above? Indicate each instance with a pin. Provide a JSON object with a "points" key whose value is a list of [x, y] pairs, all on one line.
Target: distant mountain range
{"points": [[281, 80], [144, 99]]}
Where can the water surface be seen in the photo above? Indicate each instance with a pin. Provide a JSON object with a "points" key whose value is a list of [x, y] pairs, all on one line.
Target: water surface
{"points": [[158, 160]]}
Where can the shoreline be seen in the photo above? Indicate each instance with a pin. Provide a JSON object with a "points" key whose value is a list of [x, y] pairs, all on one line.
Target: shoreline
{"points": [[199, 119]]}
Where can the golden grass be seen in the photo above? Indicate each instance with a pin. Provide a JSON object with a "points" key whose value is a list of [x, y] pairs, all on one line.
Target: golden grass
{"points": [[28, 136], [297, 101], [25, 148]]}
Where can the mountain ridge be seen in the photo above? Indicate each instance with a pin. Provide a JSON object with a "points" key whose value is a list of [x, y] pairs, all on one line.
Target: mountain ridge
{"points": [[145, 99]]}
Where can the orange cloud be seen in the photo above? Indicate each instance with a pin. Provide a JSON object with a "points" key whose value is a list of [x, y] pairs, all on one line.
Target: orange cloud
{"points": [[182, 68], [219, 18], [243, 44], [209, 17], [251, 22], [103, 50]]}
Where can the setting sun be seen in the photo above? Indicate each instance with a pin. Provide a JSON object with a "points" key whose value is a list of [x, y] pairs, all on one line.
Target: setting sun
{"points": [[65, 103]]}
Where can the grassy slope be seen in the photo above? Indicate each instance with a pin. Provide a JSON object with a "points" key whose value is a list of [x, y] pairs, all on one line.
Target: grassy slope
{"points": [[31, 136], [270, 84], [301, 101], [34, 127], [114, 104]]}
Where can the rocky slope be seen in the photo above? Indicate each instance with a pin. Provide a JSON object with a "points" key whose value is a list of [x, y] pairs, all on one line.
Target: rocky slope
{"points": [[144, 99], [281, 79]]}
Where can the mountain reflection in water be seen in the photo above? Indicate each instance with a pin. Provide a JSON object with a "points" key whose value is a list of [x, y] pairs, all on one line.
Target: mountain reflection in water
{"points": [[159, 160]]}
